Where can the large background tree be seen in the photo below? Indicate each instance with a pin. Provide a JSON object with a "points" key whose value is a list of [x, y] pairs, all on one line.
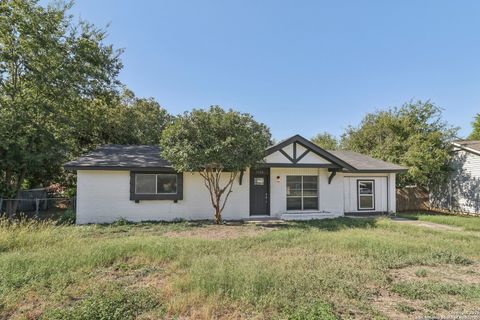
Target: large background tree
{"points": [[475, 135], [125, 119], [59, 95], [414, 135], [326, 141], [218, 144]]}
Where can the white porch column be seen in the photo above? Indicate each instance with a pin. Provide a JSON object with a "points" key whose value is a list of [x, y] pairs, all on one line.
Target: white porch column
{"points": [[392, 193]]}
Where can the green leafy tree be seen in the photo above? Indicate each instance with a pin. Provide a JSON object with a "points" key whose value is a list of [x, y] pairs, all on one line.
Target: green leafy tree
{"points": [[51, 71], [326, 141], [475, 135], [413, 135], [125, 119], [218, 144]]}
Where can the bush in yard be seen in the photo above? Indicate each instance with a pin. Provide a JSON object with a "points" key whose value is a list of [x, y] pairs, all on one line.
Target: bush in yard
{"points": [[216, 143], [67, 217]]}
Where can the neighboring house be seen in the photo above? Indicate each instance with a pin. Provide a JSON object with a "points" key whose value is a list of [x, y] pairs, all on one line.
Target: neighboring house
{"points": [[462, 190], [297, 180]]}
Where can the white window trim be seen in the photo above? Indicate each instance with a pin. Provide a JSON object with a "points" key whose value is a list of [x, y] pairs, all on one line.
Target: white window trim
{"points": [[156, 183], [302, 196], [372, 195]]}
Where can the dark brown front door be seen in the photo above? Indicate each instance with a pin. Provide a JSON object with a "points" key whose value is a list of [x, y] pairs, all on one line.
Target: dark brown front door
{"points": [[260, 192]]}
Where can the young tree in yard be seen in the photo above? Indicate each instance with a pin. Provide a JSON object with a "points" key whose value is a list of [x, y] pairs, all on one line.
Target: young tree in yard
{"points": [[218, 144], [326, 141], [413, 135], [475, 135], [50, 71]]}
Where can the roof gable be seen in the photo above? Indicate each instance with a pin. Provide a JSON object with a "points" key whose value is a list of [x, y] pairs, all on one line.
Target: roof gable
{"points": [[299, 151]]}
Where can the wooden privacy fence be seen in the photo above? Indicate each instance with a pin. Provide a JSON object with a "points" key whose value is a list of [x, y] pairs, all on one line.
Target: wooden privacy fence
{"points": [[412, 199]]}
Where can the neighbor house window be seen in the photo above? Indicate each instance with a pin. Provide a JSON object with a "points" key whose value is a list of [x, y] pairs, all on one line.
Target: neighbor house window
{"points": [[302, 193], [366, 194], [156, 186]]}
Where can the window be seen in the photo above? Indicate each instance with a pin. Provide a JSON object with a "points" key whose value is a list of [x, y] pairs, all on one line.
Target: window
{"points": [[302, 193], [258, 181], [156, 186], [148, 183], [366, 194]]}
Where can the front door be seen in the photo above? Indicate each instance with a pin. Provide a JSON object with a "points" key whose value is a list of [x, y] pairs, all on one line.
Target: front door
{"points": [[260, 192]]}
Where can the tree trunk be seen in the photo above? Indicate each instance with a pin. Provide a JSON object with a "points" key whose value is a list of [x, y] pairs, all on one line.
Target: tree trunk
{"points": [[212, 179], [218, 216]]}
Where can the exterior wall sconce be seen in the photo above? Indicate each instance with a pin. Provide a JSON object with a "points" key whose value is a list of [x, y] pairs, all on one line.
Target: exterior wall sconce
{"points": [[278, 178]]}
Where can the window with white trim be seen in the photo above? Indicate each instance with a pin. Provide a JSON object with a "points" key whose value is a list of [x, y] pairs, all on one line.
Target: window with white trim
{"points": [[302, 193], [366, 194], [161, 183]]}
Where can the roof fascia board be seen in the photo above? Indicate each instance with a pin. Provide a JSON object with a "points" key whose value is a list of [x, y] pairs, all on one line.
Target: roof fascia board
{"points": [[117, 168], [466, 148]]}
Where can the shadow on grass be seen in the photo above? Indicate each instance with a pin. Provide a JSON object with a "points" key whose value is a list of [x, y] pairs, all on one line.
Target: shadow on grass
{"points": [[335, 224], [415, 215], [327, 224]]}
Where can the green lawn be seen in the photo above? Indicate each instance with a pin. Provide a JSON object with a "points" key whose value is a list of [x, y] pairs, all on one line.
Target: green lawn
{"points": [[342, 268]]}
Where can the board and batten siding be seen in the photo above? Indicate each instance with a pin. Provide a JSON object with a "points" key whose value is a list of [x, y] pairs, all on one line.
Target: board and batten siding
{"points": [[351, 193], [103, 196], [336, 198]]}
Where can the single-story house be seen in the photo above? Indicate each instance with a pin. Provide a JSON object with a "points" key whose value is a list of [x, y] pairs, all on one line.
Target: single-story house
{"points": [[296, 180], [461, 193]]}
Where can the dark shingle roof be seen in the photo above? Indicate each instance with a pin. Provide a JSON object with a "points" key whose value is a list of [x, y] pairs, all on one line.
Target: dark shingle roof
{"points": [[362, 162], [125, 157], [471, 144], [122, 157]]}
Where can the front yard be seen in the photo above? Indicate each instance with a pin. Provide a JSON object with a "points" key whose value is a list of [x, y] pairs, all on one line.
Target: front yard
{"points": [[342, 268]]}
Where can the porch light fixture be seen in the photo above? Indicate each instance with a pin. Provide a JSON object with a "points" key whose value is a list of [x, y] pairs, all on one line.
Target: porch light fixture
{"points": [[278, 178]]}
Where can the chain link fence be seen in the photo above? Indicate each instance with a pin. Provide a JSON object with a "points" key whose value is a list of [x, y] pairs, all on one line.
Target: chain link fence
{"points": [[38, 207]]}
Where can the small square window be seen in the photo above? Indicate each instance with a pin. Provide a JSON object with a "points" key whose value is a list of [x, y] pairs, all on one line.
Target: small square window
{"points": [[258, 181]]}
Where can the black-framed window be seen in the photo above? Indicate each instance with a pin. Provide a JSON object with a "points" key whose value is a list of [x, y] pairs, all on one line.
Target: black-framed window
{"points": [[302, 193], [366, 194], [156, 186]]}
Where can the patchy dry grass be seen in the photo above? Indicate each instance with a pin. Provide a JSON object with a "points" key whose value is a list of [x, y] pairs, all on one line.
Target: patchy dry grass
{"points": [[341, 268], [468, 223]]}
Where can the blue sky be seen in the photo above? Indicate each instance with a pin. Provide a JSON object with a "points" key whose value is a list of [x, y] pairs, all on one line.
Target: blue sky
{"points": [[298, 66]]}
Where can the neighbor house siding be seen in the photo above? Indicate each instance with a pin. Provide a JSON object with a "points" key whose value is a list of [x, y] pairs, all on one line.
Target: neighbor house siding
{"points": [[462, 192], [104, 196]]}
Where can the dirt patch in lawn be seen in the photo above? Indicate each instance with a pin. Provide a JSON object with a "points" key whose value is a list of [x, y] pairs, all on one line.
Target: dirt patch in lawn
{"points": [[394, 306], [469, 274], [426, 224], [219, 232]]}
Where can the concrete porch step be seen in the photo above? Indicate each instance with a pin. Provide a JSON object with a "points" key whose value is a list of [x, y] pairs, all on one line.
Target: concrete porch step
{"points": [[309, 216]]}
